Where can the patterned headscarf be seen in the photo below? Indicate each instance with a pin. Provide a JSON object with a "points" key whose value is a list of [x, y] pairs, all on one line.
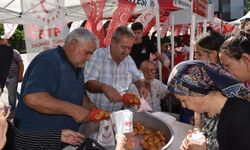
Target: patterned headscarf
{"points": [[196, 78]]}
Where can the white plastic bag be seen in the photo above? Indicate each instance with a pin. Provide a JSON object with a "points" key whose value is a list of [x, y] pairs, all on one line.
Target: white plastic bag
{"points": [[105, 134], [122, 121], [144, 106], [123, 124]]}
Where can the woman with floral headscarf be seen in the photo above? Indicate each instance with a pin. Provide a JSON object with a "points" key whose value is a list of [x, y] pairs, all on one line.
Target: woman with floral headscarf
{"points": [[208, 89], [207, 49]]}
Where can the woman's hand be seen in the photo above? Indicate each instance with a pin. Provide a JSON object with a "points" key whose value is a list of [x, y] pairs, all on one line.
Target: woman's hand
{"points": [[71, 137], [189, 144], [197, 145], [184, 144]]}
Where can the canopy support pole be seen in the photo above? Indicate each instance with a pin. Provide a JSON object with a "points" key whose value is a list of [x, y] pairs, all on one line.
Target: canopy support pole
{"points": [[192, 36], [157, 17], [172, 40]]}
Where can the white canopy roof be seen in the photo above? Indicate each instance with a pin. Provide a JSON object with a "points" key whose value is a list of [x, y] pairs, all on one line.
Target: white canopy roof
{"points": [[12, 11]]}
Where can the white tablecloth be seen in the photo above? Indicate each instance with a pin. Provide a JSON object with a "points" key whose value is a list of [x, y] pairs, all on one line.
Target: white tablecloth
{"points": [[180, 132]]}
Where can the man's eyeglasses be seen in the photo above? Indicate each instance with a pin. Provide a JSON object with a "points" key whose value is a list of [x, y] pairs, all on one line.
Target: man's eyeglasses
{"points": [[150, 70]]}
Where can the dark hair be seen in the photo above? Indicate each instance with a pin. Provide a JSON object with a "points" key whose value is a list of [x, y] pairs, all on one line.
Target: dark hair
{"points": [[209, 29], [137, 26], [6, 55], [245, 20], [236, 45], [122, 30], [211, 41]]}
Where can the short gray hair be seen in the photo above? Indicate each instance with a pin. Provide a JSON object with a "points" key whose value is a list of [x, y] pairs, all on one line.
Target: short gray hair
{"points": [[122, 30], [82, 35]]}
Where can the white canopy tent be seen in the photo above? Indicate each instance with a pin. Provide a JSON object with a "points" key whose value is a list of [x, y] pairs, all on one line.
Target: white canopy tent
{"points": [[12, 11], [22, 11]]}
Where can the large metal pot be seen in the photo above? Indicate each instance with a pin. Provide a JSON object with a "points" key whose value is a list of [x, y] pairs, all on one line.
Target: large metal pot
{"points": [[151, 122], [148, 120]]}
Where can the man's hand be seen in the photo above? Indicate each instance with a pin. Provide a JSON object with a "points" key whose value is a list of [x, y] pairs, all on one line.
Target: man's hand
{"points": [[71, 137], [143, 92], [111, 93], [130, 99], [47, 104], [80, 114], [96, 115]]}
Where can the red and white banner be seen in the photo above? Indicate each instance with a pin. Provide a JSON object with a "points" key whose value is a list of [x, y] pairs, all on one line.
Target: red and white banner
{"points": [[228, 28], [148, 3], [75, 25], [50, 28], [101, 33], [146, 17], [94, 10], [184, 4], [88, 25], [120, 17], [165, 27], [149, 26], [200, 7], [9, 30], [44, 12], [38, 38]]}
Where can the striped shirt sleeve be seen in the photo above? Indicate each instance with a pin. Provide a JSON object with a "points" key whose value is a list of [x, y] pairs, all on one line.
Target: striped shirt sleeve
{"points": [[39, 140]]}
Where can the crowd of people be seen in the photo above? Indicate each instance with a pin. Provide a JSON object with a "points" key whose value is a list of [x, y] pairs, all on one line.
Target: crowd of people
{"points": [[63, 87]]}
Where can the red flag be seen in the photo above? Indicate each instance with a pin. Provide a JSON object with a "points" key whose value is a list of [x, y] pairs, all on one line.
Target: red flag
{"points": [[146, 17], [165, 27], [88, 25], [228, 28], [200, 7], [100, 34], [94, 10], [149, 26], [120, 17]]}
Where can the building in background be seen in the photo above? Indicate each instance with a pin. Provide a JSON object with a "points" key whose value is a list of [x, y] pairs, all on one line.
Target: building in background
{"points": [[229, 10]]}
